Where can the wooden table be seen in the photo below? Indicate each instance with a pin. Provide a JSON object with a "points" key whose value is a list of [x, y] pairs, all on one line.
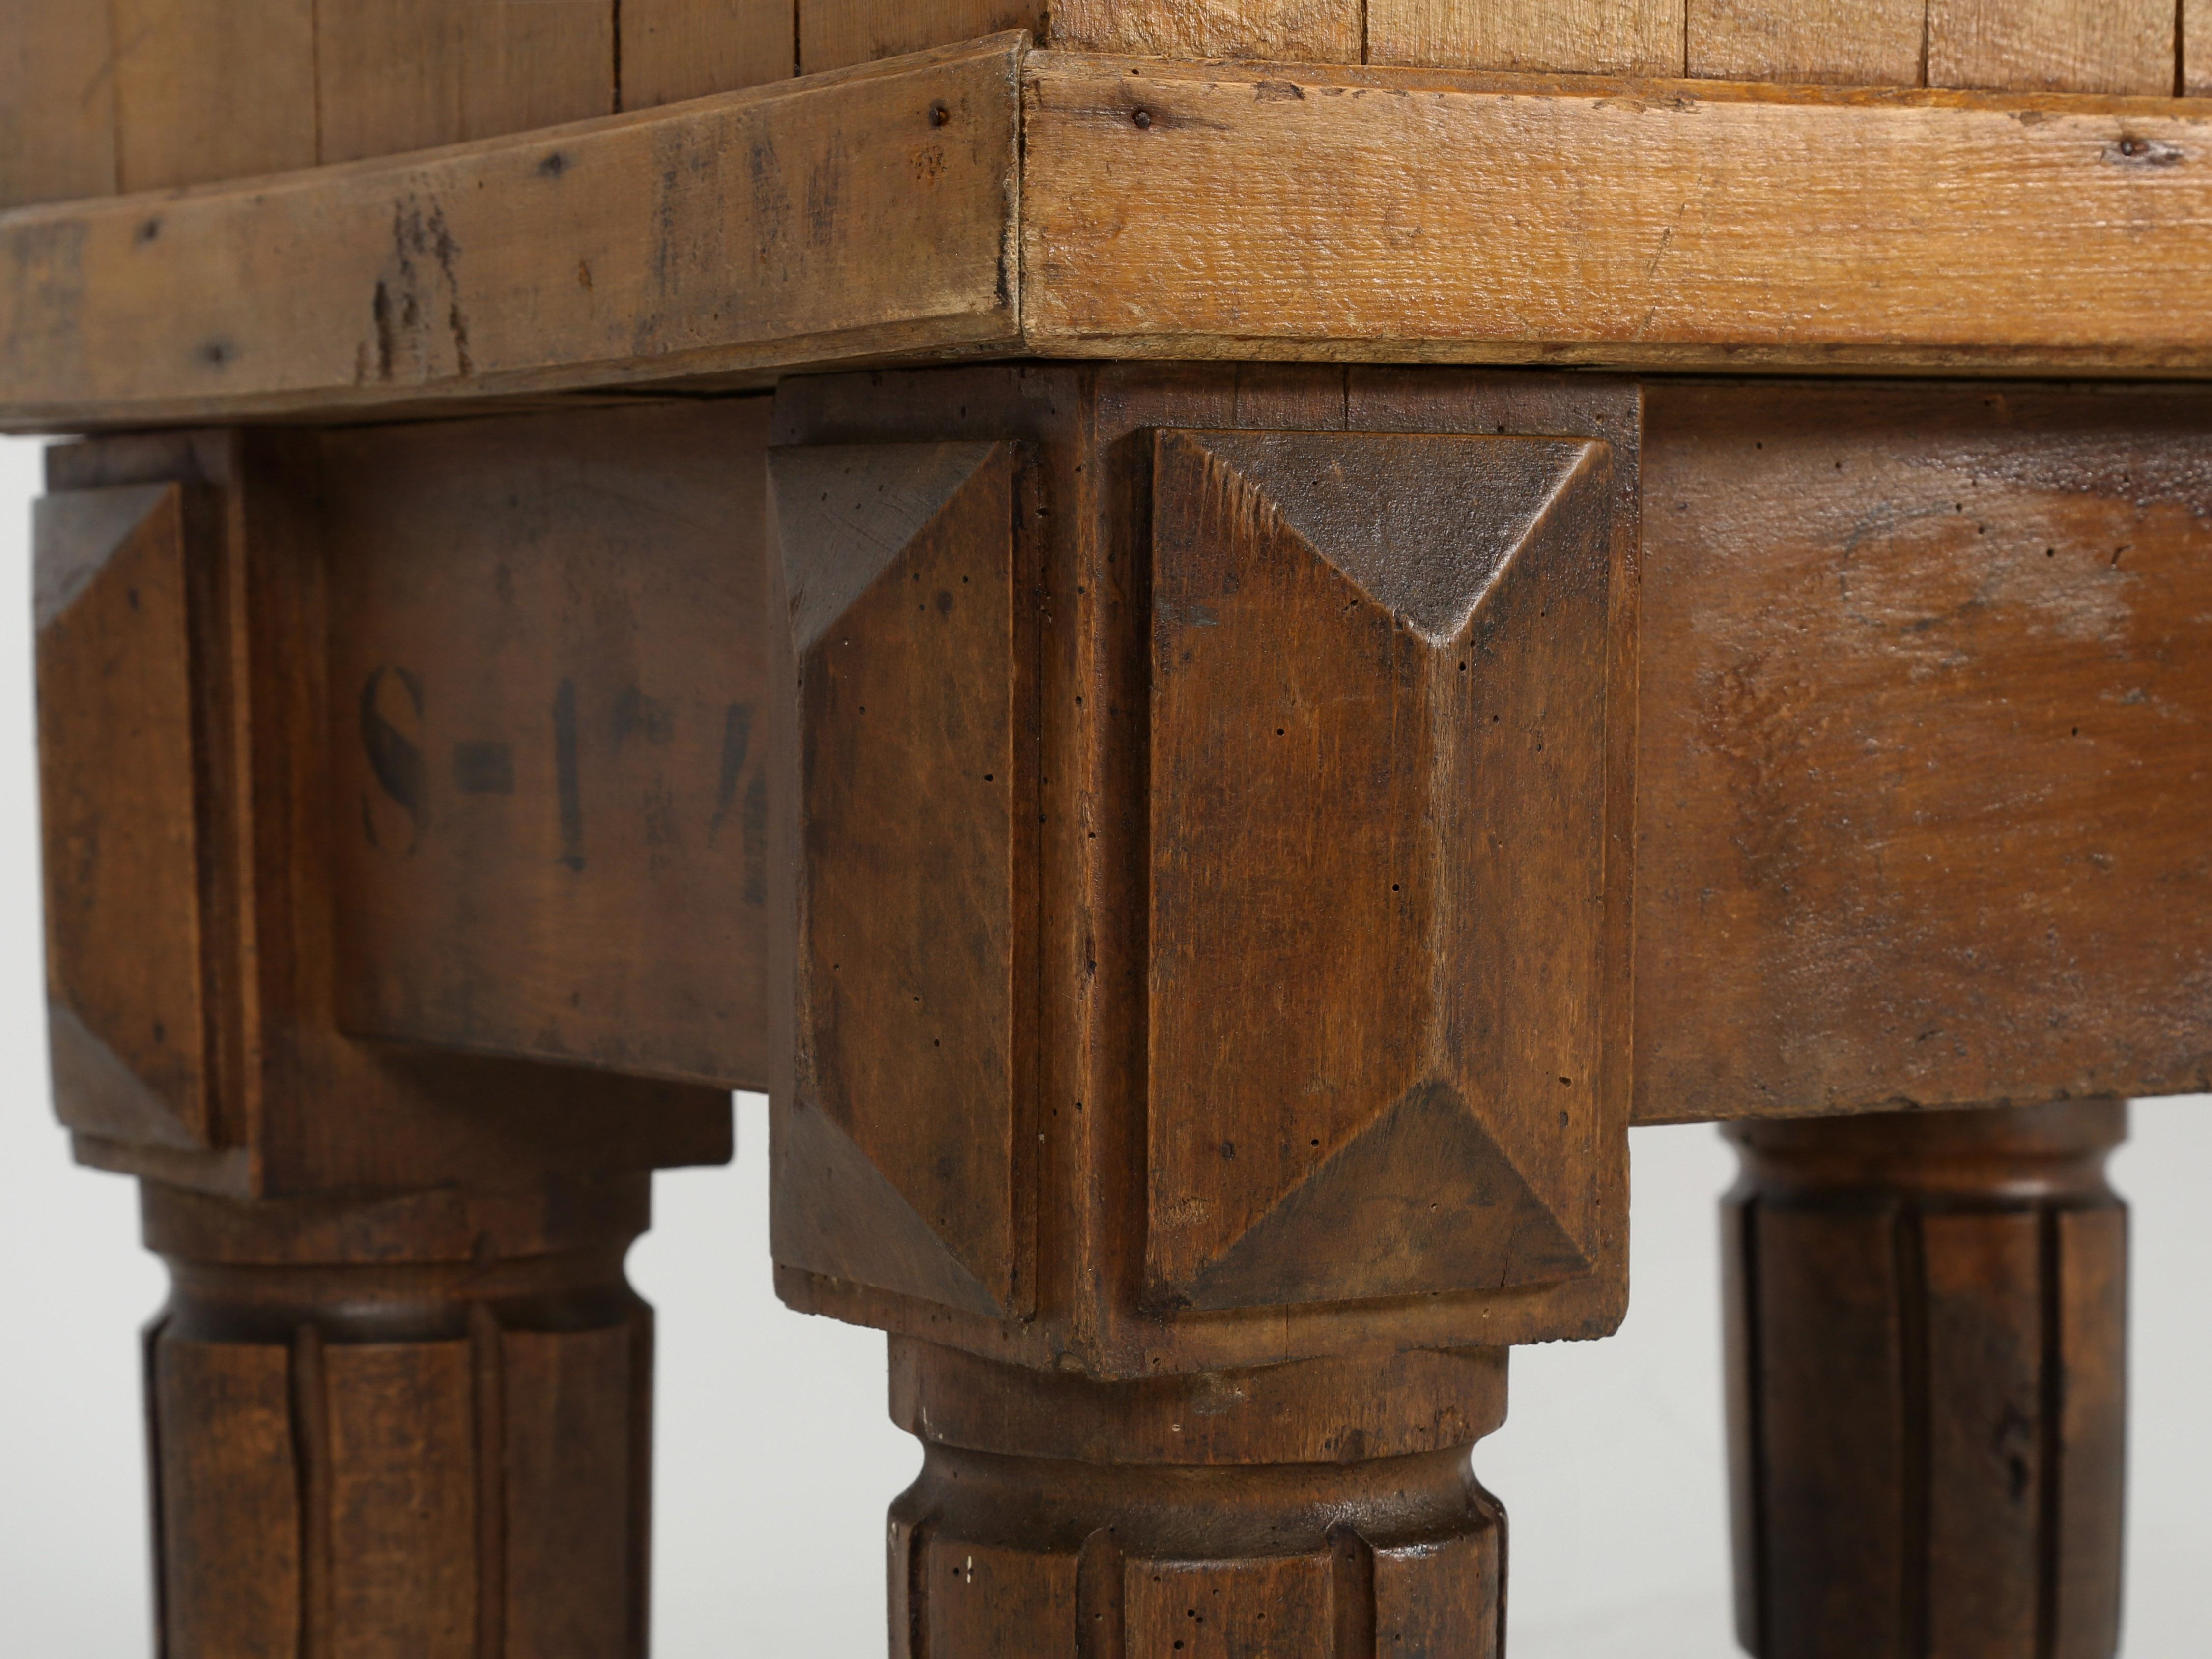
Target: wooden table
{"points": [[1217, 651]]}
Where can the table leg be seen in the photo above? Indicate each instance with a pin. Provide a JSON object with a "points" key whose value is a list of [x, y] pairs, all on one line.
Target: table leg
{"points": [[1322, 1508], [1927, 1351], [419, 1425]]}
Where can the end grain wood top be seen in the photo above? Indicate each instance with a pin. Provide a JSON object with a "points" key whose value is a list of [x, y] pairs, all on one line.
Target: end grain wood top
{"points": [[988, 199]]}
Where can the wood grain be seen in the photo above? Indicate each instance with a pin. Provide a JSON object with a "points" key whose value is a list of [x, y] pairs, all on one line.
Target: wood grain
{"points": [[833, 33], [414, 1423], [2091, 1260], [1273, 31], [1927, 1384], [2195, 49], [672, 50], [1920, 748], [1984, 1357], [1866, 43], [228, 1525], [183, 114], [1091, 431], [904, 1134], [1323, 1508], [120, 788], [1712, 226], [57, 105], [403, 1497], [549, 711], [301, 1107], [573, 1486], [1379, 667], [1603, 37], [616, 251], [1248, 218], [400, 74], [1832, 1435], [2053, 45]]}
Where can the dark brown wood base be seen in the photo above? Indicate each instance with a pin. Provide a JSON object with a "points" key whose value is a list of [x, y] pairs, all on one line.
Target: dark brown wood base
{"points": [[1926, 1335], [1323, 1508], [1209, 859], [419, 1425]]}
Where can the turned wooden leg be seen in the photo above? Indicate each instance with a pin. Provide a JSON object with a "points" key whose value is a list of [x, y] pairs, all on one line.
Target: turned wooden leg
{"points": [[1926, 1346], [417, 1425], [1322, 1508]]}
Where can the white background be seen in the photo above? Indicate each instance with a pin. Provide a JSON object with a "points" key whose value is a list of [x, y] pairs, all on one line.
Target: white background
{"points": [[775, 1459]]}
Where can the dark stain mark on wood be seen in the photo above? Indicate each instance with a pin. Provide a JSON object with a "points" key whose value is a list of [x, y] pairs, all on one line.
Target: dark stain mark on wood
{"points": [[736, 740], [458, 326], [825, 188], [2132, 151], [639, 716], [494, 557], [771, 193], [394, 758], [380, 310], [568, 775], [424, 271], [483, 768]]}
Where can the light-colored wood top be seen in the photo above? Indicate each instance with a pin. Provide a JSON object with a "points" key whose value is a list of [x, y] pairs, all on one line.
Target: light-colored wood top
{"points": [[1369, 214], [987, 198], [860, 214]]}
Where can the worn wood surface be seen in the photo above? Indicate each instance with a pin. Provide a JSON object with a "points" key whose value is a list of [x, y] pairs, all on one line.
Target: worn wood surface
{"points": [[835, 33], [549, 709], [618, 250], [1159, 210], [1325, 1508], [417, 1424], [1867, 43], [1278, 31], [57, 105], [400, 74], [1378, 789], [904, 1143], [672, 50], [1962, 740], [1926, 1366], [211, 89], [299, 1107], [1921, 743], [1107, 600], [306, 84], [133, 1040], [2053, 45], [1604, 36], [1244, 216]]}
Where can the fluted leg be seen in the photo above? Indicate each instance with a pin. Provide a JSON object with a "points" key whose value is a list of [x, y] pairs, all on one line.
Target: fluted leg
{"points": [[1927, 1324], [1324, 1508], [418, 1425]]}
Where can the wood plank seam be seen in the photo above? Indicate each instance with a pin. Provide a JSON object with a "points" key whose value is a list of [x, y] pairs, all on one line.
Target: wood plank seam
{"points": [[503, 71], [1062, 270]]}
